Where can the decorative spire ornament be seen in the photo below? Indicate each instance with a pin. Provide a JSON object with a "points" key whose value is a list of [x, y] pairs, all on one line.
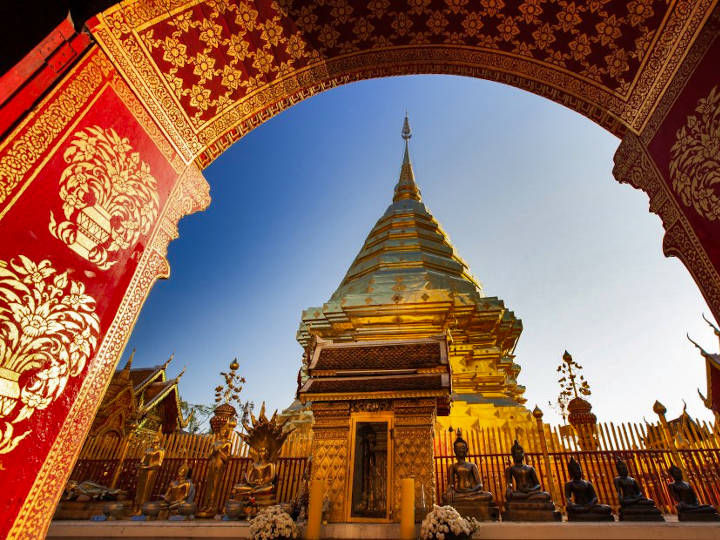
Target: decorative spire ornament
{"points": [[406, 187]]}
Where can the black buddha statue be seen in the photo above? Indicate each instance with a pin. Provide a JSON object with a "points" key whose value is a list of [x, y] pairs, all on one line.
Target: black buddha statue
{"points": [[634, 506], [686, 502], [465, 489], [582, 502], [524, 498]]}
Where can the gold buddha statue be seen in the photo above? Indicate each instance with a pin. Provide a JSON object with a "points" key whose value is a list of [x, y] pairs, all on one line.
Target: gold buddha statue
{"points": [[265, 437], [259, 478], [178, 499], [147, 471], [217, 463]]}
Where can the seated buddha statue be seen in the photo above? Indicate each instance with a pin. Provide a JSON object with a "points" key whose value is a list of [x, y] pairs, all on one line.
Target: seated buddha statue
{"points": [[686, 502], [465, 489], [257, 487], [178, 500], [634, 506], [258, 480], [524, 498], [582, 502]]}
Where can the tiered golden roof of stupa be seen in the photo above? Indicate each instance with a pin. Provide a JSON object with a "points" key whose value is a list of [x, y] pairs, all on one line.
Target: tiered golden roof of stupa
{"points": [[408, 282]]}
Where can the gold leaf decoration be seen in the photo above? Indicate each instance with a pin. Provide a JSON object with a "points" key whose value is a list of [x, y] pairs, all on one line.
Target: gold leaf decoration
{"points": [[695, 158], [109, 196], [48, 331]]}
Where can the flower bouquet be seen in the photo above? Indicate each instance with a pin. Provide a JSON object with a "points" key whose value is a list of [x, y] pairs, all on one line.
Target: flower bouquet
{"points": [[273, 523], [444, 523]]}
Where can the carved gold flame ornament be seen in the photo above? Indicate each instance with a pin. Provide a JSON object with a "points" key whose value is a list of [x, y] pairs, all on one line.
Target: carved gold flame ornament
{"points": [[48, 331], [695, 163], [109, 196]]}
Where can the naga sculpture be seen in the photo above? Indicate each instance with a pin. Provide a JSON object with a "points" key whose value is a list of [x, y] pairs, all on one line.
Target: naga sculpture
{"points": [[265, 437]]}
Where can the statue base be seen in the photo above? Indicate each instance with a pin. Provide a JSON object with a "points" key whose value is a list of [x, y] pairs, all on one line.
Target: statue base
{"points": [[206, 514], [589, 517], [640, 513], [530, 511], [698, 516], [482, 511], [79, 510], [117, 509]]}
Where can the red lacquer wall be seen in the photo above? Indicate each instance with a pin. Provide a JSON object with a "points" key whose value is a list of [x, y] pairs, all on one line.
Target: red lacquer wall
{"points": [[85, 183]]}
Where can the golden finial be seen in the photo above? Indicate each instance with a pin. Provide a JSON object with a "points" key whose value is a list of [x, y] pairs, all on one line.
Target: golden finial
{"points": [[406, 132], [537, 413], [406, 187], [659, 408]]}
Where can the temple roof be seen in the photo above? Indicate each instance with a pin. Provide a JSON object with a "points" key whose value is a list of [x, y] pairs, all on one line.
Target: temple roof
{"points": [[134, 393]]}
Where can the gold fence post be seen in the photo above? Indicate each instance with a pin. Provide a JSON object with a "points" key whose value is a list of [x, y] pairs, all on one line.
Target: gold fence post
{"points": [[660, 410], [538, 414], [121, 460], [312, 532]]}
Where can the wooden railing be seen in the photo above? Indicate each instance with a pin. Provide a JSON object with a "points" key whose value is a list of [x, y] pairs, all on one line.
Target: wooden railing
{"points": [[290, 473], [647, 449], [100, 458]]}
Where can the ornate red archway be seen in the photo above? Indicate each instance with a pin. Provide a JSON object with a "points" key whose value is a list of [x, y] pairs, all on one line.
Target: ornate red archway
{"points": [[95, 177]]}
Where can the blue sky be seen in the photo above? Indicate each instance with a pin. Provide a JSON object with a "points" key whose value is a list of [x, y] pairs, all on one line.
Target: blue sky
{"points": [[524, 189]]}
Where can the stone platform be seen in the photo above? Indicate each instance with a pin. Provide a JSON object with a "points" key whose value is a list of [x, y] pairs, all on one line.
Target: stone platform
{"points": [[165, 530]]}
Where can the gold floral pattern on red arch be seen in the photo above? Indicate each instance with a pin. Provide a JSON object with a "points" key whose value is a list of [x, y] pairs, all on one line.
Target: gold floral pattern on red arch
{"points": [[695, 158], [48, 331], [109, 196], [214, 54]]}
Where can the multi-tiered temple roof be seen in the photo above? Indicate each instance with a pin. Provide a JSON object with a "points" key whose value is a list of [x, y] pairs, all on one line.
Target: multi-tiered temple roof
{"points": [[408, 282]]}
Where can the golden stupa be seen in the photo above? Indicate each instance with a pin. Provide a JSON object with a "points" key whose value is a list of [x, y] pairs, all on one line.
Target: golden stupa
{"points": [[408, 283]]}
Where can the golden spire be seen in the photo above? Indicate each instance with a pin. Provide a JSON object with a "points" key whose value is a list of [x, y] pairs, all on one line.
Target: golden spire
{"points": [[406, 187]]}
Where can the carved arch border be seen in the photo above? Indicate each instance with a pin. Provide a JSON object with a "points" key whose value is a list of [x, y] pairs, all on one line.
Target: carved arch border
{"points": [[117, 32], [634, 166]]}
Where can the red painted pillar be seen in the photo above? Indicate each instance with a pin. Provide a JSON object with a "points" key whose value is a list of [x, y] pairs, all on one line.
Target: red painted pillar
{"points": [[90, 195]]}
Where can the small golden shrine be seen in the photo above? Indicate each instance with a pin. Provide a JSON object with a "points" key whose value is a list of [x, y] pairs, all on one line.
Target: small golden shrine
{"points": [[143, 400], [408, 283]]}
